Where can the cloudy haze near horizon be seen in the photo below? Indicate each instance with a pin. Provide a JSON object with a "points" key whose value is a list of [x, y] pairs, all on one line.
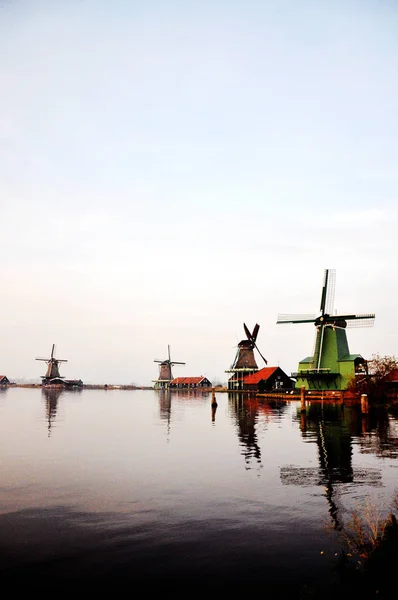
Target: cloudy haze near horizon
{"points": [[171, 170]]}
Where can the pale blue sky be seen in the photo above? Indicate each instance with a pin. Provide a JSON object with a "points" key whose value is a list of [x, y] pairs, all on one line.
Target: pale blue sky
{"points": [[172, 169]]}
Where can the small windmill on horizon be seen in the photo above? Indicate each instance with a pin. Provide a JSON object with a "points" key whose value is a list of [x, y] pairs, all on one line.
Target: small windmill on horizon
{"points": [[331, 365], [165, 373], [53, 376], [52, 366]]}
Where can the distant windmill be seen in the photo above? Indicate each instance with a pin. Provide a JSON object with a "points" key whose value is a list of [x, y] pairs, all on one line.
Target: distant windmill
{"points": [[53, 376], [165, 374], [331, 365], [52, 366], [245, 361]]}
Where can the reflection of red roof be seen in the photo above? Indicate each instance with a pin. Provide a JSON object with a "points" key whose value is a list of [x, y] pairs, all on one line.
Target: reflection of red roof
{"points": [[181, 380], [262, 374]]}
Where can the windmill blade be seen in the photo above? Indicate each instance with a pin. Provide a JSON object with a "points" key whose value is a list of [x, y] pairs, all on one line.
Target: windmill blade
{"points": [[255, 332], [264, 359], [286, 318], [45, 359], [346, 317], [323, 294], [52, 351], [168, 348], [247, 332], [360, 321], [330, 291]]}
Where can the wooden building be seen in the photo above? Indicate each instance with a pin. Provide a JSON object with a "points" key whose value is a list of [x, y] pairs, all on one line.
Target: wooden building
{"points": [[190, 382], [268, 379], [4, 380]]}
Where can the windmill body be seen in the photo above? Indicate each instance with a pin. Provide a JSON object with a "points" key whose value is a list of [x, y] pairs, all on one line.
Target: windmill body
{"points": [[245, 361], [165, 373], [331, 366]]}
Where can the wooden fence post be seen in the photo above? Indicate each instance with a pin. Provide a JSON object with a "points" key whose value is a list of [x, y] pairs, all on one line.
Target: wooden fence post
{"points": [[302, 398], [364, 403]]}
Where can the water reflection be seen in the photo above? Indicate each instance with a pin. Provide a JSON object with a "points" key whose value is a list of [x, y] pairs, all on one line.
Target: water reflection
{"points": [[213, 408], [332, 427], [165, 407], [246, 410], [51, 397], [380, 432]]}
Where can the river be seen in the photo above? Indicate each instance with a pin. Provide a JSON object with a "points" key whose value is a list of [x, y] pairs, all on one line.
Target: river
{"points": [[159, 490]]}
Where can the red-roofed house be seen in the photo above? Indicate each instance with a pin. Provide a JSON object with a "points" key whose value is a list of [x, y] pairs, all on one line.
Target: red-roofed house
{"points": [[4, 380], [190, 382], [268, 379]]}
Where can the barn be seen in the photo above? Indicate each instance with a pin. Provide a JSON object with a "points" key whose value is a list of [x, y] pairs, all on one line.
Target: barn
{"points": [[268, 379], [4, 380]]}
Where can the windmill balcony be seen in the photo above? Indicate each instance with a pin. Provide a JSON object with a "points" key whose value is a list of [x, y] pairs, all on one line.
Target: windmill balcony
{"points": [[313, 373]]}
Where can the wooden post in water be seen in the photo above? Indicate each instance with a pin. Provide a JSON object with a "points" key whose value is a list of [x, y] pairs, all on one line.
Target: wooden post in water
{"points": [[302, 398], [213, 405], [364, 403]]}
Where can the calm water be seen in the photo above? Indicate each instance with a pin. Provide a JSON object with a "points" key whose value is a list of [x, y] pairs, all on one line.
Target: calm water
{"points": [[120, 486]]}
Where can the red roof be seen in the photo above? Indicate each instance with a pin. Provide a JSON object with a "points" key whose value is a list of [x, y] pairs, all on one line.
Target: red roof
{"points": [[181, 380], [262, 374]]}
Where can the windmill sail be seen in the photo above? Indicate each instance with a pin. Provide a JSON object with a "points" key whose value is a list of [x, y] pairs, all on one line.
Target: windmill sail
{"points": [[289, 318]]}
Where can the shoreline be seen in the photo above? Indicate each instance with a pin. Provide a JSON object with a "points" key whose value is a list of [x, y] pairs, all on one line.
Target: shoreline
{"points": [[339, 397]]}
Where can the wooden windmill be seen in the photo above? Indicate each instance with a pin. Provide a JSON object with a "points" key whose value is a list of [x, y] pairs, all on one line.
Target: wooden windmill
{"points": [[165, 374], [52, 367], [245, 361], [331, 365], [53, 376]]}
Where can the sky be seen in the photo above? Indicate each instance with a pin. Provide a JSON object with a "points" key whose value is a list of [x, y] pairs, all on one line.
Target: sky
{"points": [[172, 169]]}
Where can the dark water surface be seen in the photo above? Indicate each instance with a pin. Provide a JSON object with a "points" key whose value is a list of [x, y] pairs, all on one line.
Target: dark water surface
{"points": [[157, 491]]}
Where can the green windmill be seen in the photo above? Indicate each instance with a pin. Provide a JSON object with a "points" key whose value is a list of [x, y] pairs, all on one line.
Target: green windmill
{"points": [[331, 365]]}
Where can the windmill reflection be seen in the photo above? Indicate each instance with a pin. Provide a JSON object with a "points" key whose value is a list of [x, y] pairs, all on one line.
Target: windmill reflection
{"points": [[246, 412], [165, 407], [248, 409], [51, 397], [332, 427]]}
